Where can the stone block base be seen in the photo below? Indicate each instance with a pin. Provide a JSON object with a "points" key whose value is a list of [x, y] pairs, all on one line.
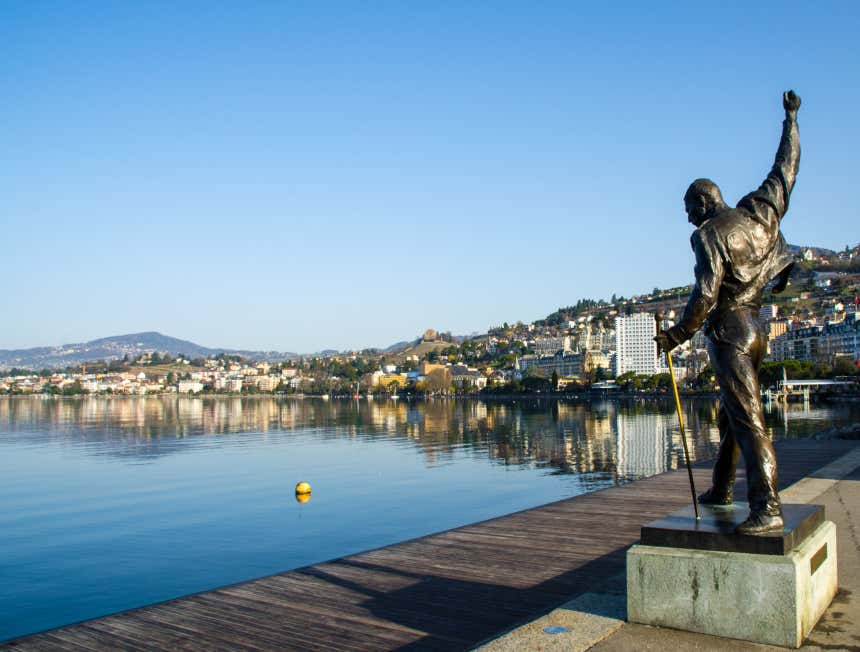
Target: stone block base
{"points": [[771, 599]]}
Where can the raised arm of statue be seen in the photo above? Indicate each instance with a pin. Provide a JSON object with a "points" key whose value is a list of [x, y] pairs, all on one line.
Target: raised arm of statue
{"points": [[770, 202]]}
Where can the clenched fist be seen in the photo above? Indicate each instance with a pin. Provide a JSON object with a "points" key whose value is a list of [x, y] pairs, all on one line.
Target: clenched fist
{"points": [[791, 103]]}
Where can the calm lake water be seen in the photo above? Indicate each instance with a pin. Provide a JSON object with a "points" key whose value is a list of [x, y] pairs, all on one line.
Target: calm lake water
{"points": [[113, 503]]}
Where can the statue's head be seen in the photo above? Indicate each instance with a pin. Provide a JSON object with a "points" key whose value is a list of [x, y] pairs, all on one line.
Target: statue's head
{"points": [[701, 200]]}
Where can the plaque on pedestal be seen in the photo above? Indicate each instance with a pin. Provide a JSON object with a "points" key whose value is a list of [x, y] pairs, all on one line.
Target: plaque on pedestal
{"points": [[701, 577]]}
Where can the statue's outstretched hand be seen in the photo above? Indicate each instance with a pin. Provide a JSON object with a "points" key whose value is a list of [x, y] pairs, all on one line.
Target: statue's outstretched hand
{"points": [[791, 103]]}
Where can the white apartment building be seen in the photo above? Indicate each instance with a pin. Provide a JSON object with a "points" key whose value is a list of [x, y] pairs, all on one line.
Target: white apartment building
{"points": [[635, 349], [190, 387], [228, 384]]}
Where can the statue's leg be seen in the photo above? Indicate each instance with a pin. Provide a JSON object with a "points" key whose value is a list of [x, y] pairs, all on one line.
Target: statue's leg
{"points": [[736, 370]]}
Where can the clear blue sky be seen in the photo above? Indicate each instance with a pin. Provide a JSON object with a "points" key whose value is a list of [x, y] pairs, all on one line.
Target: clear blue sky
{"points": [[299, 176]]}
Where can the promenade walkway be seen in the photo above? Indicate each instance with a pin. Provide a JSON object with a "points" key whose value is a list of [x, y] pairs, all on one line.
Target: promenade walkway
{"points": [[448, 591]]}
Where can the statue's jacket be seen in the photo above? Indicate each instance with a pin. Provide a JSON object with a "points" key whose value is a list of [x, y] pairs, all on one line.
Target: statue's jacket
{"points": [[740, 250]]}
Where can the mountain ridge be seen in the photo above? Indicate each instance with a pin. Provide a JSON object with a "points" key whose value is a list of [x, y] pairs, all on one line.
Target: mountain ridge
{"points": [[118, 346]]}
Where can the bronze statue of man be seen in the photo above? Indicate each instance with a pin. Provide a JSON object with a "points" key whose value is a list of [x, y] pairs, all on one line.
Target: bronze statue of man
{"points": [[738, 252]]}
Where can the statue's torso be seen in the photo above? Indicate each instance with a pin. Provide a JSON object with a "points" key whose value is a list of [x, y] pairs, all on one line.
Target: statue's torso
{"points": [[752, 255]]}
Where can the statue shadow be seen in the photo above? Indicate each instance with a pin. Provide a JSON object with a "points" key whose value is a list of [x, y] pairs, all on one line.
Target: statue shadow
{"points": [[451, 613]]}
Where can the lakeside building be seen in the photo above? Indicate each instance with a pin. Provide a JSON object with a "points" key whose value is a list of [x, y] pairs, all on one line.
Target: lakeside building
{"points": [[842, 339], [463, 376], [566, 365], [819, 343], [267, 383], [777, 327], [595, 337], [774, 329], [426, 368], [190, 387], [802, 344], [768, 313], [816, 343], [634, 344], [391, 381], [552, 345]]}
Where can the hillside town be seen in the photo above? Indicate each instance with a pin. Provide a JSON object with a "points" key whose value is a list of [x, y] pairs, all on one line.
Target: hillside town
{"points": [[813, 332]]}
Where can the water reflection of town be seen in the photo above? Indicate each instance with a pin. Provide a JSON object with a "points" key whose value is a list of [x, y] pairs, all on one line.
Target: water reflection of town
{"points": [[616, 440]]}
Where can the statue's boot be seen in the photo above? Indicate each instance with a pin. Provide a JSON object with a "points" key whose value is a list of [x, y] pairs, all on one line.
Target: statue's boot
{"points": [[761, 523], [714, 496]]}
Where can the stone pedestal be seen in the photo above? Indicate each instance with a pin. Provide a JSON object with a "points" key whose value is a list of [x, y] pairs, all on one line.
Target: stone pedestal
{"points": [[768, 589]]}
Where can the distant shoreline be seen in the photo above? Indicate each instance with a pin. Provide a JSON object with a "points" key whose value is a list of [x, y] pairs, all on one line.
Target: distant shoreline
{"points": [[579, 396]]}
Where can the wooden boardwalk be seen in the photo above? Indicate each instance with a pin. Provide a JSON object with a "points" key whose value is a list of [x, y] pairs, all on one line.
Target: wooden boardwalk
{"points": [[445, 591]]}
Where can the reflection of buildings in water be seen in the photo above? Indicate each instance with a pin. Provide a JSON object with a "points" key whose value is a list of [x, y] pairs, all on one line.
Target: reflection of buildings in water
{"points": [[643, 444], [798, 411], [802, 419], [472, 415], [190, 410], [596, 449], [572, 437], [650, 442], [437, 415], [377, 413], [389, 415], [703, 435], [226, 415], [566, 436]]}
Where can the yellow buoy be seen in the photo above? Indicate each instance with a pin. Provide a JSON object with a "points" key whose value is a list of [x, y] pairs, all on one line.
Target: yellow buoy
{"points": [[303, 498], [303, 489]]}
